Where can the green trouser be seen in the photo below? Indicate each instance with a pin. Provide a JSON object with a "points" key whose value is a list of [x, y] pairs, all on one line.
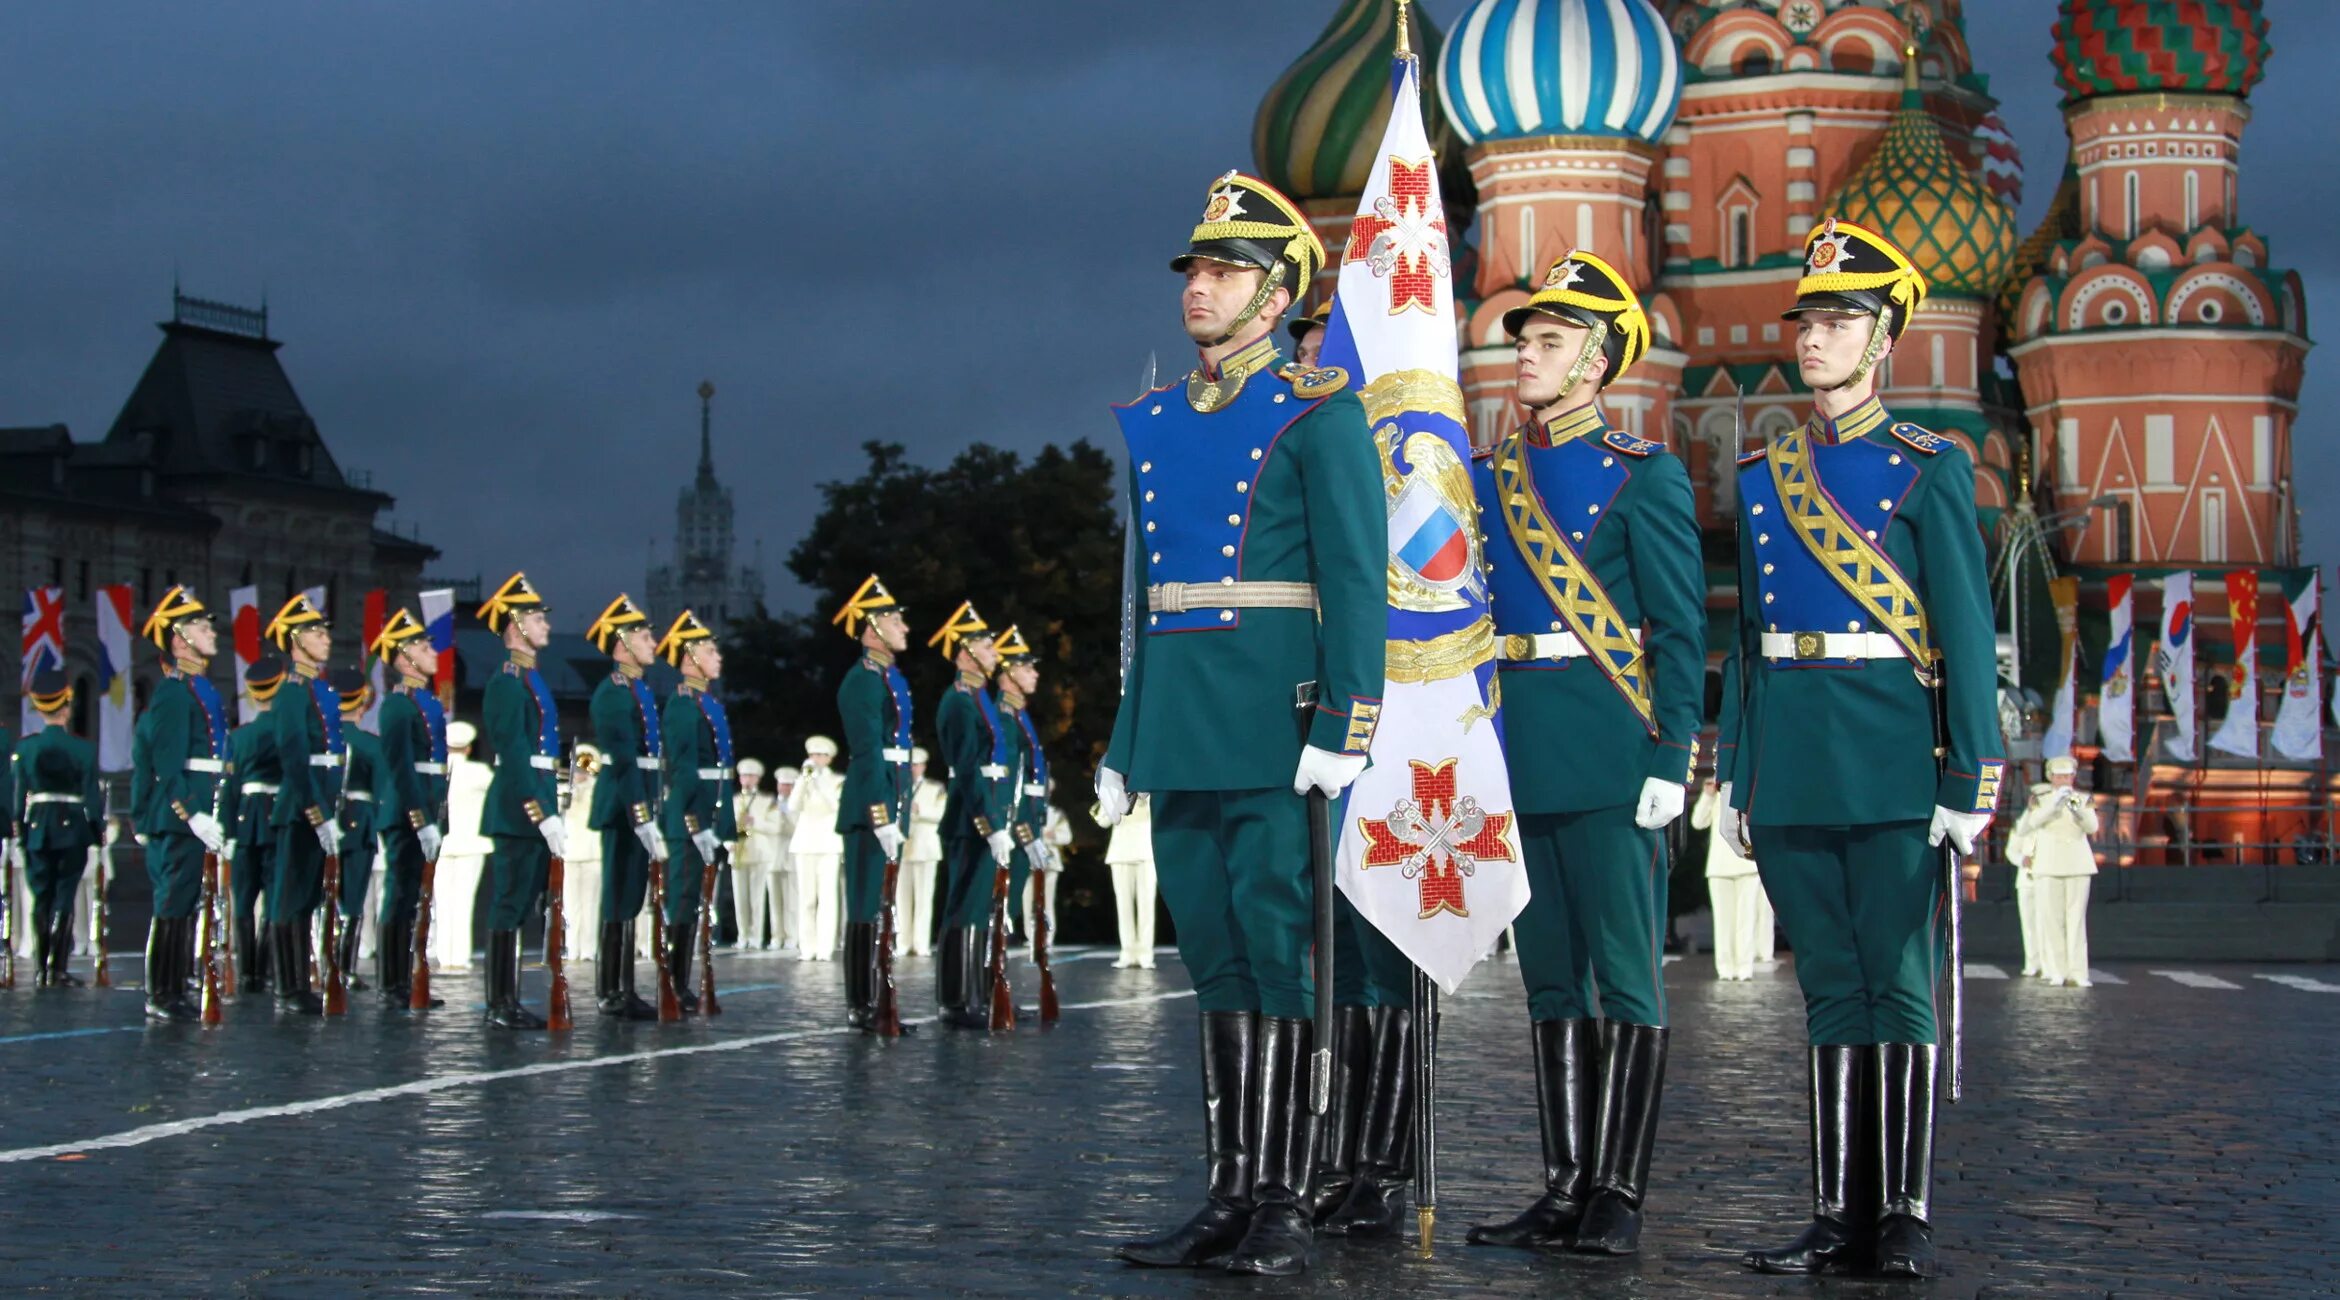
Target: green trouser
{"points": [[174, 867], [1368, 970], [1862, 905], [1592, 937], [51, 875], [357, 866], [967, 875], [250, 873], [519, 867], [296, 876], [865, 876], [625, 874], [402, 867], [1233, 866], [686, 879], [1019, 871]]}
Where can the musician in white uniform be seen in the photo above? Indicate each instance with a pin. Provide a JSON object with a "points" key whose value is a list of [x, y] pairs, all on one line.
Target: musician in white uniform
{"points": [[1734, 891], [463, 855], [756, 859], [1130, 855], [816, 852], [2062, 861], [581, 870], [921, 859]]}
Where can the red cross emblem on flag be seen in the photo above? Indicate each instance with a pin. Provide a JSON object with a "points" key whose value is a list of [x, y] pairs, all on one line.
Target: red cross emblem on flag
{"points": [[1403, 239], [1436, 839], [44, 628]]}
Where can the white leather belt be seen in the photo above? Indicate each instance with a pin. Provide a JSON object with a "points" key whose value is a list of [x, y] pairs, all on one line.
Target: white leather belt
{"points": [[1179, 597], [324, 760], [44, 796], [206, 765], [894, 754], [542, 762], [258, 787], [649, 762], [357, 796], [992, 771], [1831, 645], [431, 769], [713, 774], [1035, 789], [1528, 648]]}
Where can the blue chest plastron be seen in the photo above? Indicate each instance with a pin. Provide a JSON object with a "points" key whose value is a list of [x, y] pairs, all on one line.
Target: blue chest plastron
{"points": [[1578, 482], [1195, 477], [1868, 478]]}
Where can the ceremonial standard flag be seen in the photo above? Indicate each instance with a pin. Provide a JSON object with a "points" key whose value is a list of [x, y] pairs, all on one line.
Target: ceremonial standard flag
{"points": [[377, 613], [2238, 731], [115, 718], [44, 645], [2299, 719], [1429, 852], [438, 616], [2116, 700], [244, 619], [2056, 742], [2174, 657]]}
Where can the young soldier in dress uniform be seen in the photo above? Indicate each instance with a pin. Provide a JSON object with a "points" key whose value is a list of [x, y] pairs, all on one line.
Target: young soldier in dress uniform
{"points": [[179, 758], [697, 743], [1027, 764], [57, 805], [974, 827], [1262, 554], [1308, 335], [413, 809], [522, 817], [249, 808], [627, 728], [360, 815], [873, 813], [312, 750], [1864, 625], [1600, 618]]}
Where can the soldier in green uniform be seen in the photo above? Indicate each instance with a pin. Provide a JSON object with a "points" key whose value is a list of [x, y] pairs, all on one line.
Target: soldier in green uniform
{"points": [[360, 814], [698, 817], [1599, 598], [522, 816], [179, 759], [412, 810], [312, 751], [57, 806], [1027, 765], [626, 728], [873, 812], [1262, 554], [975, 833], [1308, 335], [248, 807], [1859, 731]]}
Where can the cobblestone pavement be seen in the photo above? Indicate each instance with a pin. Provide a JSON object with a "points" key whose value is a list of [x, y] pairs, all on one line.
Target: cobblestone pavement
{"points": [[2158, 1136]]}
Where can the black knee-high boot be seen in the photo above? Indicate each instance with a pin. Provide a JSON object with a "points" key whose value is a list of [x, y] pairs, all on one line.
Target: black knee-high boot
{"points": [[166, 985], [289, 943], [1385, 1164], [1905, 1155], [1228, 1056], [1279, 1242], [1567, 1054], [1836, 1239], [1633, 1075], [1344, 1125]]}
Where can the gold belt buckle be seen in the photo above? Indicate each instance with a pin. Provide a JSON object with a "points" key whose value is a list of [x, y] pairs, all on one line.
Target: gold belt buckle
{"points": [[1519, 647], [1809, 645]]}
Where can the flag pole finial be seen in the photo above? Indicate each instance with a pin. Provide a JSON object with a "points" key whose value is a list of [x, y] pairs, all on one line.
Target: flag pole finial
{"points": [[1405, 47]]}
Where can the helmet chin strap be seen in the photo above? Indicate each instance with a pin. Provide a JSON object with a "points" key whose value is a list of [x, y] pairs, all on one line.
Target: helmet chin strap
{"points": [[1268, 284], [1880, 333], [1595, 340]]}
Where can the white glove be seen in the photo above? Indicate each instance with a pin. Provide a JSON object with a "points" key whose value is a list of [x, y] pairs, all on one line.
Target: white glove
{"points": [[653, 840], [329, 835], [207, 829], [431, 840], [707, 845], [1113, 801], [556, 836], [1661, 803], [1733, 826], [227, 852], [113, 832], [889, 838], [1963, 829], [1003, 847], [1322, 769]]}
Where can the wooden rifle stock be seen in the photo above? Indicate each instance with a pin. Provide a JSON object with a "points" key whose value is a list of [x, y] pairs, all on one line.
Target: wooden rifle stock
{"points": [[669, 1002], [1038, 884], [708, 1006], [210, 913], [557, 1018], [336, 989], [419, 999], [1003, 1002], [887, 1018], [100, 976], [227, 950]]}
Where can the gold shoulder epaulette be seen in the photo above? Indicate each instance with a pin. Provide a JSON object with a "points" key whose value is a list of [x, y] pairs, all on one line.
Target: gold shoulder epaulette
{"points": [[1619, 440], [1922, 439], [1323, 381]]}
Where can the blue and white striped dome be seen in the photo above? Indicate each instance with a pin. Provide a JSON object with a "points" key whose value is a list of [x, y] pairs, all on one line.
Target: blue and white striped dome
{"points": [[1516, 68]]}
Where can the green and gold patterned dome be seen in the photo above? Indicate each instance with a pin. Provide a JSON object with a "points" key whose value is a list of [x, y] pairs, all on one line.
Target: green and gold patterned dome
{"points": [[2128, 47], [1319, 125], [1914, 191]]}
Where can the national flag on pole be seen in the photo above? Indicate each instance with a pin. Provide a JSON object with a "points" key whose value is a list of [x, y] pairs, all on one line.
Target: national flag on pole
{"points": [[2238, 731], [1429, 851], [377, 613], [438, 616], [2056, 742], [2299, 719], [2174, 658], [244, 619], [44, 646], [116, 717], [2116, 698]]}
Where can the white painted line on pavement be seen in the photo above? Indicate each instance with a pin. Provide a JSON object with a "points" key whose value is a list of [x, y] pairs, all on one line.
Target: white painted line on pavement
{"points": [[445, 1082], [562, 1216], [2302, 983], [1983, 970], [2196, 979], [2104, 977]]}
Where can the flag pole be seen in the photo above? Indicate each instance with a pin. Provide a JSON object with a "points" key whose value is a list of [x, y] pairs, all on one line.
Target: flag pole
{"points": [[1425, 1065]]}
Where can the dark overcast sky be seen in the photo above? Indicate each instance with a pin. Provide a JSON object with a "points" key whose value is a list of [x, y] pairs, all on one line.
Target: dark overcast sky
{"points": [[505, 242]]}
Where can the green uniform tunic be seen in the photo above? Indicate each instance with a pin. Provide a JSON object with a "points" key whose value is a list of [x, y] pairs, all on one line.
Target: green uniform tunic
{"points": [[626, 728], [874, 704], [1578, 746], [1833, 759], [178, 759], [970, 731], [524, 739], [413, 793], [361, 813], [306, 721], [699, 788], [1027, 799], [58, 803], [1280, 483], [248, 806]]}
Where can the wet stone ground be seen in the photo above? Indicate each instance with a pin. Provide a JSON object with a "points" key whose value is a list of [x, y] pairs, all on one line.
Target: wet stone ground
{"points": [[2155, 1137]]}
